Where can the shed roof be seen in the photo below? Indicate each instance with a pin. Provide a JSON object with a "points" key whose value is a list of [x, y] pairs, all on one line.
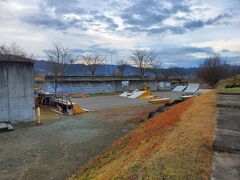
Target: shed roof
{"points": [[15, 58]]}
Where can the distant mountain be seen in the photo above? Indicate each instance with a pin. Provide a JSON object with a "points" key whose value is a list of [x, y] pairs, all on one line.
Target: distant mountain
{"points": [[44, 68]]}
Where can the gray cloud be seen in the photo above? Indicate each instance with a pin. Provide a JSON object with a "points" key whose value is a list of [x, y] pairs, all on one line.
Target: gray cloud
{"points": [[191, 25], [45, 20], [95, 49], [182, 56], [109, 21], [222, 18], [188, 25], [65, 6], [194, 24], [58, 22], [146, 13], [143, 15]]}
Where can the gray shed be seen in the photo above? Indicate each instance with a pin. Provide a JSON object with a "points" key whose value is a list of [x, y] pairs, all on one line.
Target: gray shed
{"points": [[16, 89]]}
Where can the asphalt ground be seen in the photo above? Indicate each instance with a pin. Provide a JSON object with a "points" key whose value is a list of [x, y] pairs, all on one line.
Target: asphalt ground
{"points": [[112, 102]]}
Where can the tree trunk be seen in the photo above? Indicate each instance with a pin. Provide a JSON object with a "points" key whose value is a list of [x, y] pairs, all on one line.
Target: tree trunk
{"points": [[55, 86], [93, 74]]}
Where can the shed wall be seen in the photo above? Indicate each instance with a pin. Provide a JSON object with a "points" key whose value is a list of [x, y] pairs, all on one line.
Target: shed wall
{"points": [[16, 92]]}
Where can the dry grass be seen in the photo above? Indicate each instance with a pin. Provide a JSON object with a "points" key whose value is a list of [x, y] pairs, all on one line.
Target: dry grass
{"points": [[174, 144], [187, 148]]}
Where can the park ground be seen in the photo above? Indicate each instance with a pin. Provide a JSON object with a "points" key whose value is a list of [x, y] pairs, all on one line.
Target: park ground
{"points": [[175, 144], [171, 144], [62, 144]]}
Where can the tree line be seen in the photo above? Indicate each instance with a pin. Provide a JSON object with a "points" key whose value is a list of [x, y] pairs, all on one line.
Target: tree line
{"points": [[215, 68], [211, 70]]}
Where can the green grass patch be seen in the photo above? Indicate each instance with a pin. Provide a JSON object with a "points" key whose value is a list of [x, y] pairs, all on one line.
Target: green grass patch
{"points": [[230, 90]]}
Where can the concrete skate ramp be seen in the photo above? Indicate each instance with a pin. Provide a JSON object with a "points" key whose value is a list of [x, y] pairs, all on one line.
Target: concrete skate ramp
{"points": [[192, 88], [125, 94], [137, 94], [146, 95], [78, 110], [179, 88], [6, 126]]}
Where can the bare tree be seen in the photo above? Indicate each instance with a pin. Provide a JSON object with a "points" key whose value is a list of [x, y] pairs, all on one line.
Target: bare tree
{"points": [[213, 69], [93, 62], [143, 60], [121, 67], [156, 69], [12, 49], [167, 73], [174, 72], [60, 59], [235, 74]]}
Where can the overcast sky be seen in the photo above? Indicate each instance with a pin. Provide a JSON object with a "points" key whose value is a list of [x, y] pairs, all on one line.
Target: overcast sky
{"points": [[180, 32]]}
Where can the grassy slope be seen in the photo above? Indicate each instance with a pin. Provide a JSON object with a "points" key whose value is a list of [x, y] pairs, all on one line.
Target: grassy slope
{"points": [[230, 90], [174, 144]]}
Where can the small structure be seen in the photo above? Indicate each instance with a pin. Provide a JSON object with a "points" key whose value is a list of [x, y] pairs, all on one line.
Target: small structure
{"points": [[61, 104], [43, 98], [16, 89], [66, 106]]}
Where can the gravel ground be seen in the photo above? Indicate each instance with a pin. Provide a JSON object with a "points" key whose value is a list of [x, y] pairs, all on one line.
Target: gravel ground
{"points": [[62, 144]]}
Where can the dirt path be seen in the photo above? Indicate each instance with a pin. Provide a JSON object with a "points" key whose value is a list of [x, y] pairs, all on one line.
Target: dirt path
{"points": [[62, 144]]}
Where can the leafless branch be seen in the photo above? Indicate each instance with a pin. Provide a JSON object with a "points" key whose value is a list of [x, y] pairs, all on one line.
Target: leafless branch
{"points": [[12, 49], [93, 62], [156, 69], [213, 69], [121, 67], [60, 59], [143, 60]]}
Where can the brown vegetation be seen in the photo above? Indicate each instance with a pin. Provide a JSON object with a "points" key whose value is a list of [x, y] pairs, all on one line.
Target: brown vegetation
{"points": [[174, 144]]}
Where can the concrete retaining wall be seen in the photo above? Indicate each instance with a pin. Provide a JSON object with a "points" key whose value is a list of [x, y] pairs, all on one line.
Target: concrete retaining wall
{"points": [[16, 92], [92, 87]]}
